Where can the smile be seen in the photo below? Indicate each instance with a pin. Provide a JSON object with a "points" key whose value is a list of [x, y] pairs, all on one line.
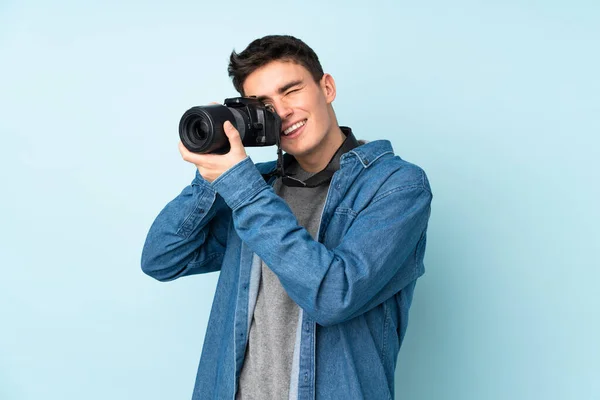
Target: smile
{"points": [[294, 127]]}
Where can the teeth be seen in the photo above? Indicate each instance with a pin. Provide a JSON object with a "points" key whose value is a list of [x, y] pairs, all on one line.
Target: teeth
{"points": [[294, 127]]}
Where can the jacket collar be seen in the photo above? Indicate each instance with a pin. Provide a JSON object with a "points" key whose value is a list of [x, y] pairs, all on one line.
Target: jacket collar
{"points": [[367, 153]]}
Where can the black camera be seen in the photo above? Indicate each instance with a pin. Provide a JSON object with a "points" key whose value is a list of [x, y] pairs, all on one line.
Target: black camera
{"points": [[201, 128]]}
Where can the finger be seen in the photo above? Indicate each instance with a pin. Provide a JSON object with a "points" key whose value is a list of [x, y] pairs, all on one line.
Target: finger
{"points": [[186, 154], [233, 135], [206, 159], [183, 150], [195, 158]]}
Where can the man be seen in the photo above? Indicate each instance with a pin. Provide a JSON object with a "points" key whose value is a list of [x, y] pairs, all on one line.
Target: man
{"points": [[315, 282]]}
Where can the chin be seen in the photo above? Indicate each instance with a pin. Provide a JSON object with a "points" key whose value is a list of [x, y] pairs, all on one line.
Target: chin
{"points": [[296, 151], [299, 148]]}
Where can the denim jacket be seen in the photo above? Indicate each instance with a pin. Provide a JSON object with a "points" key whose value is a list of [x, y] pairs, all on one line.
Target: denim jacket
{"points": [[354, 285]]}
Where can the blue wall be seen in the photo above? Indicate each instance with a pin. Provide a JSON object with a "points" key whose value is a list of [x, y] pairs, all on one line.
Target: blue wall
{"points": [[498, 101]]}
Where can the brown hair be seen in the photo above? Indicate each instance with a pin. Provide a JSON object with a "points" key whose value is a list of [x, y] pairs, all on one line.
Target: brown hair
{"points": [[272, 48]]}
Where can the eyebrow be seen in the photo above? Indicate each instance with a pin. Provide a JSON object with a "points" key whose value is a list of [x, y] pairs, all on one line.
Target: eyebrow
{"points": [[282, 89]]}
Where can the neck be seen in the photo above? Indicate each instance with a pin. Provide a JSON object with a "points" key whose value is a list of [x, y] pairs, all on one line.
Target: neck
{"points": [[320, 157]]}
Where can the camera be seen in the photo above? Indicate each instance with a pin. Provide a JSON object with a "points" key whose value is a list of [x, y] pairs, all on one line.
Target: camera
{"points": [[201, 127]]}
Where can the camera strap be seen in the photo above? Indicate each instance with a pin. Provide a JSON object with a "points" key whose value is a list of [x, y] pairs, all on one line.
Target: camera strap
{"points": [[322, 177]]}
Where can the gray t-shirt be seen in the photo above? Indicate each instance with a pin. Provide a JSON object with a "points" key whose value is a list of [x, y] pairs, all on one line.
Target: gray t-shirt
{"points": [[268, 363]]}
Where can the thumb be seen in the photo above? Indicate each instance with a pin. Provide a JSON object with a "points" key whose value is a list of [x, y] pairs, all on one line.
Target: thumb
{"points": [[233, 135]]}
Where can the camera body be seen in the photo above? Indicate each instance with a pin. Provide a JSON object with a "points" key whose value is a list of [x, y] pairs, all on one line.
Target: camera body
{"points": [[201, 127]]}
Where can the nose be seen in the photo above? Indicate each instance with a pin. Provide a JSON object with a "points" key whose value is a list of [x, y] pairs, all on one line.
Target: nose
{"points": [[282, 109]]}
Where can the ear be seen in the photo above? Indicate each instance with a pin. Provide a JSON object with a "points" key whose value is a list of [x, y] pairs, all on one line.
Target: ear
{"points": [[328, 87]]}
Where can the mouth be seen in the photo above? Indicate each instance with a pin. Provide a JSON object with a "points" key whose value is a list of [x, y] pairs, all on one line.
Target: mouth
{"points": [[294, 128]]}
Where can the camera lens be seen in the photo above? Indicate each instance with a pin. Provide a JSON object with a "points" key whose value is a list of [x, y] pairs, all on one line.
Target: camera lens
{"points": [[200, 129]]}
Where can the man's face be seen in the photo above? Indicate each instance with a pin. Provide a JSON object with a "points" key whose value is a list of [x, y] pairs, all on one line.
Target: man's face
{"points": [[302, 104]]}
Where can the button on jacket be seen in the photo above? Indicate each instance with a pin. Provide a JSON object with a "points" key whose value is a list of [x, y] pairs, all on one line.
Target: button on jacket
{"points": [[354, 285]]}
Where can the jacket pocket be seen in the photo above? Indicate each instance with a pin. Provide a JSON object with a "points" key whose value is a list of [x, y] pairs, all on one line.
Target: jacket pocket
{"points": [[340, 222]]}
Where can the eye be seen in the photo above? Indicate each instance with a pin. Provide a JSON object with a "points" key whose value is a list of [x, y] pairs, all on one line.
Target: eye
{"points": [[269, 107]]}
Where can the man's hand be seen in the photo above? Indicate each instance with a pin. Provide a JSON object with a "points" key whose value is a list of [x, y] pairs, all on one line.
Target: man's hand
{"points": [[211, 166]]}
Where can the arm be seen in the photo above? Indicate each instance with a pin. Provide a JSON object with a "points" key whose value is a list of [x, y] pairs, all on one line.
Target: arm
{"points": [[374, 260], [189, 235]]}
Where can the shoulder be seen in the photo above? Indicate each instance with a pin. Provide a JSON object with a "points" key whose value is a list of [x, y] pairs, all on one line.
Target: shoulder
{"points": [[383, 168]]}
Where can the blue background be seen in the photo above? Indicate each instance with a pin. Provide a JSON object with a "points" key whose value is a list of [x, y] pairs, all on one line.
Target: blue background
{"points": [[498, 101]]}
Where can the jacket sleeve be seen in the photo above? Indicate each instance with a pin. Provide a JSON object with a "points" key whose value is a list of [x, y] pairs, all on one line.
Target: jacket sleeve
{"points": [[374, 260], [189, 235]]}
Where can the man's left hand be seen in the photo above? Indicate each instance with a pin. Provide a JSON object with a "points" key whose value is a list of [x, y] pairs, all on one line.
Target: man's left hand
{"points": [[211, 166]]}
